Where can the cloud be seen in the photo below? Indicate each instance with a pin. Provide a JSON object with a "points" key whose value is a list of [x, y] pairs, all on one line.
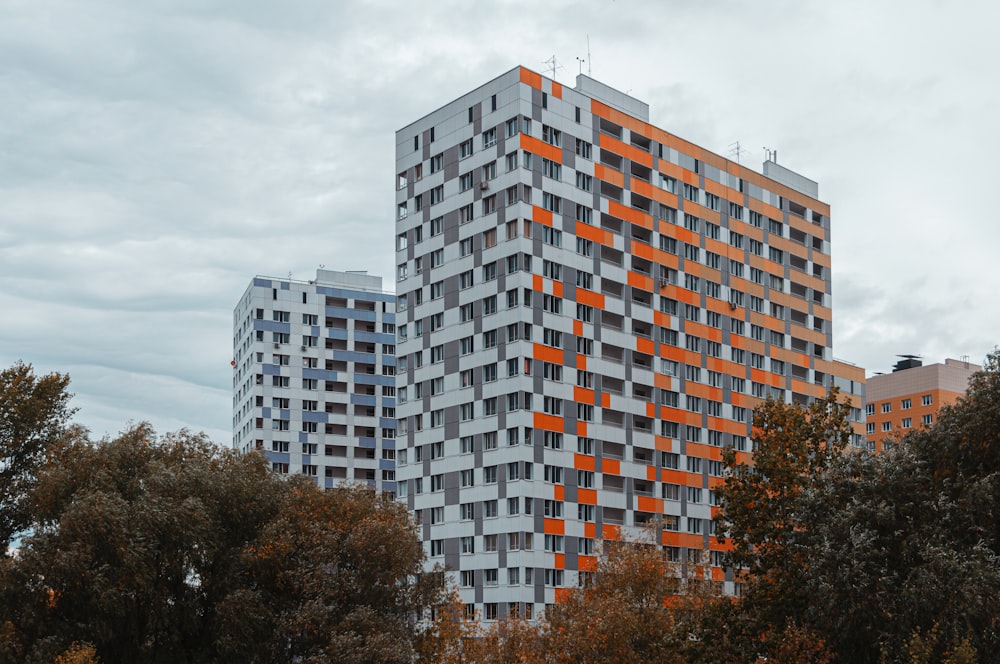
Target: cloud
{"points": [[155, 156]]}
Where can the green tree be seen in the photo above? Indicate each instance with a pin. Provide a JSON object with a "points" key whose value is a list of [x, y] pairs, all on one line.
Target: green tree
{"points": [[34, 413]]}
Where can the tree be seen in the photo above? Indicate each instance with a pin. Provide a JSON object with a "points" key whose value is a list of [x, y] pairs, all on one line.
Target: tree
{"points": [[174, 550], [34, 413], [342, 574], [623, 615], [863, 558]]}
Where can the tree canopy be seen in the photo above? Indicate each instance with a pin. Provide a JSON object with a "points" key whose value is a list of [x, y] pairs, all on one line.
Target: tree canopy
{"points": [[171, 549], [34, 413]]}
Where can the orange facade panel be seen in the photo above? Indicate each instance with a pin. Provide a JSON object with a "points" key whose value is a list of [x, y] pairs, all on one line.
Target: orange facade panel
{"points": [[611, 466], [589, 298], [584, 462], [631, 215], [703, 331], [529, 77], [586, 496], [680, 477], [599, 235], [547, 422], [541, 148], [649, 504], [610, 532], [557, 90], [625, 150], [704, 451], [583, 395], [640, 281], [704, 391], [541, 216], [555, 527], [608, 174], [547, 353], [647, 251]]}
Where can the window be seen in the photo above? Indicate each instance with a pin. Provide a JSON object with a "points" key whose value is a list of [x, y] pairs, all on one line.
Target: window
{"points": [[887, 407], [552, 304], [552, 203], [907, 404], [928, 420], [490, 271], [585, 182], [927, 400], [551, 169], [551, 136], [490, 509], [489, 138], [437, 289], [551, 235], [583, 247], [553, 405], [552, 337], [465, 181], [489, 409], [583, 148], [553, 509], [711, 201]]}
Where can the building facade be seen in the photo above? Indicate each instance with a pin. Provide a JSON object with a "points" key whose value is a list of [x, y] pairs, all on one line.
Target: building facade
{"points": [[588, 309], [911, 396], [314, 377]]}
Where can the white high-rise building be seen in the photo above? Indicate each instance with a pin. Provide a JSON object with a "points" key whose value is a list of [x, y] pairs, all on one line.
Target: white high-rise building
{"points": [[314, 377], [588, 309]]}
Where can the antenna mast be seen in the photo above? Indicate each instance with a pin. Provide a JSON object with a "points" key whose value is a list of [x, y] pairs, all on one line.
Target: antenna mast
{"points": [[588, 56], [553, 65], [736, 151]]}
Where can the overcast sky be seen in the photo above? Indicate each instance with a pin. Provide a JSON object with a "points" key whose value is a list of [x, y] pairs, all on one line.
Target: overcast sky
{"points": [[157, 154]]}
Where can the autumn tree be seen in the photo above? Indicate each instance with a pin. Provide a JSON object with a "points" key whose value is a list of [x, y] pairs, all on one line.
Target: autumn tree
{"points": [[34, 413], [171, 549], [341, 574], [864, 558]]}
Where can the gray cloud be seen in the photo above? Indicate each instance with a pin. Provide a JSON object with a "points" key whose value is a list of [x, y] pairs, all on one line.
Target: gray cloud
{"points": [[155, 156]]}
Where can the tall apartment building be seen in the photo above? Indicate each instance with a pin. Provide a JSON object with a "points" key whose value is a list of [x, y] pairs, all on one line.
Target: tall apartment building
{"points": [[910, 396], [314, 377], [588, 309]]}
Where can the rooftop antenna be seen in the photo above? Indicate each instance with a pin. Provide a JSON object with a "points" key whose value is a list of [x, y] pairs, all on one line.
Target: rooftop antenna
{"points": [[736, 151], [767, 154], [588, 55], [553, 65], [580, 61]]}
